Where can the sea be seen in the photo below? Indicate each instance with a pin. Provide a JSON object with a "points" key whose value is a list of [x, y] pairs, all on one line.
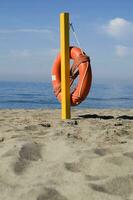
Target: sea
{"points": [[39, 95]]}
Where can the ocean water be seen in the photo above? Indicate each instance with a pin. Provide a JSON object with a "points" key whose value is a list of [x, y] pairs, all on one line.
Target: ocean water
{"points": [[40, 95]]}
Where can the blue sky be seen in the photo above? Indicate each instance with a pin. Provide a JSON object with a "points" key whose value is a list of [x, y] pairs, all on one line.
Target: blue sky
{"points": [[29, 37]]}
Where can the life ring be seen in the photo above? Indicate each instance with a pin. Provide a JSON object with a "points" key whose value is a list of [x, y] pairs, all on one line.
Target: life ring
{"points": [[82, 67]]}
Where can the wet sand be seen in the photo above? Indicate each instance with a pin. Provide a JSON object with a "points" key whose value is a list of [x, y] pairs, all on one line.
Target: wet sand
{"points": [[87, 157]]}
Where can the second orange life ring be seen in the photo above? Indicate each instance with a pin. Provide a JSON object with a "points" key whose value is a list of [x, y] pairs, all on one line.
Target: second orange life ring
{"points": [[81, 67]]}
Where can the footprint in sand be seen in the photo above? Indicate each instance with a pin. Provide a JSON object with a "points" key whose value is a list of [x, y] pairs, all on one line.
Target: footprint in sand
{"points": [[122, 186], [72, 166], [100, 151], [31, 128], [116, 160], [20, 166], [95, 178], [28, 152], [51, 194], [2, 139], [128, 154]]}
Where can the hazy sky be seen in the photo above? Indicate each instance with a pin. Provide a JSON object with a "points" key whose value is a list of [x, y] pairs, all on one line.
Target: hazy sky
{"points": [[29, 37]]}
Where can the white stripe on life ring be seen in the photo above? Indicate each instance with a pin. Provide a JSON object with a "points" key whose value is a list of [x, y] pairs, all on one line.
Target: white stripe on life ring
{"points": [[53, 78]]}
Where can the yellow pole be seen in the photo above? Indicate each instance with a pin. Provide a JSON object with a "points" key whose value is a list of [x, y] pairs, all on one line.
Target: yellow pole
{"points": [[65, 66]]}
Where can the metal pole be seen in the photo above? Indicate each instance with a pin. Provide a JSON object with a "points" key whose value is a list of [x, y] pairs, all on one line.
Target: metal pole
{"points": [[65, 66]]}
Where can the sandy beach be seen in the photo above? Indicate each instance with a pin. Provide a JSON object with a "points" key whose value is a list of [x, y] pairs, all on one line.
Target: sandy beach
{"points": [[87, 157]]}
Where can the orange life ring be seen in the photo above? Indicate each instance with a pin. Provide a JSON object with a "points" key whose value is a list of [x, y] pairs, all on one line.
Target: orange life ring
{"points": [[81, 67]]}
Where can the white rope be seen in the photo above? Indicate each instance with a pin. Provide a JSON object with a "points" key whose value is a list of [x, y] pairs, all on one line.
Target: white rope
{"points": [[76, 37]]}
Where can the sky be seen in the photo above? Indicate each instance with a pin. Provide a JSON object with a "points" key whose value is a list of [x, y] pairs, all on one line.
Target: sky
{"points": [[29, 37]]}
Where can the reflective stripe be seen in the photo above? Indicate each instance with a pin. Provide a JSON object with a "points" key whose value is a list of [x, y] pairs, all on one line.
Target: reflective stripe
{"points": [[53, 78]]}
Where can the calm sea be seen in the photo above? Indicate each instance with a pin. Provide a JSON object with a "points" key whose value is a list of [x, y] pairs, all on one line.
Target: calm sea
{"points": [[40, 95]]}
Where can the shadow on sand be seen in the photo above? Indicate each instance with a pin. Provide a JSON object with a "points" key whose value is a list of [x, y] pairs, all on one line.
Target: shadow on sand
{"points": [[105, 117]]}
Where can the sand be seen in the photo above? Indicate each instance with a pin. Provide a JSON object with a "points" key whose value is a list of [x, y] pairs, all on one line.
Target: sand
{"points": [[89, 157]]}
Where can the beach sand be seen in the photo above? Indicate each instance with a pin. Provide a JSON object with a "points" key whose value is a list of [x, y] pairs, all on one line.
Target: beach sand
{"points": [[89, 157]]}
